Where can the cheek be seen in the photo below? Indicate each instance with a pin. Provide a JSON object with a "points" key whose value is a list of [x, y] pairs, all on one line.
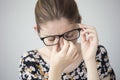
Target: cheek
{"points": [[49, 48]]}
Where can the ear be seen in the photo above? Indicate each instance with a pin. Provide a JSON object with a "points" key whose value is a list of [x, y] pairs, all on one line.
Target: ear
{"points": [[35, 28]]}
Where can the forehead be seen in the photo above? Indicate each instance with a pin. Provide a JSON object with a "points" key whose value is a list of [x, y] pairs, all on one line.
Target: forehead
{"points": [[56, 27]]}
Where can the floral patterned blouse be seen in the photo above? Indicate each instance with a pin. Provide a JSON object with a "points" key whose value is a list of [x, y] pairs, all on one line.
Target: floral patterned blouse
{"points": [[33, 67]]}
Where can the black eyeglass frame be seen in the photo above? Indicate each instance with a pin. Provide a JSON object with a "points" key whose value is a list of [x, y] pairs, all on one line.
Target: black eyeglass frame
{"points": [[62, 35]]}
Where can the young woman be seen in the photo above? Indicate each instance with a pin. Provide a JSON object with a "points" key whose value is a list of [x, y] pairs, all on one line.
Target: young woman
{"points": [[64, 57]]}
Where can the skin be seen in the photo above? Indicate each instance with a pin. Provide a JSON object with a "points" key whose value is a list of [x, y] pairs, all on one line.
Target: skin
{"points": [[66, 55]]}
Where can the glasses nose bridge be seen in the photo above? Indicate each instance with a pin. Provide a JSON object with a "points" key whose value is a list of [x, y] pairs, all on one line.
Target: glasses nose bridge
{"points": [[62, 35], [60, 38]]}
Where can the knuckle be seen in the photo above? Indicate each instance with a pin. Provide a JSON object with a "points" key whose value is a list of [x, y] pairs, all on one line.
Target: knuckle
{"points": [[66, 45]]}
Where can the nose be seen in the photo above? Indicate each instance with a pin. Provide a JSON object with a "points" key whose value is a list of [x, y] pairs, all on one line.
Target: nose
{"points": [[60, 43]]}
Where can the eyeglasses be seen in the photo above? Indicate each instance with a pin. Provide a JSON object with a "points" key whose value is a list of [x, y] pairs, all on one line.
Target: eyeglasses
{"points": [[54, 39]]}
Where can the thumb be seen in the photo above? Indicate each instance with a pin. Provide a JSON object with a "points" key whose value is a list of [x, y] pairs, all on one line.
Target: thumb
{"points": [[54, 48]]}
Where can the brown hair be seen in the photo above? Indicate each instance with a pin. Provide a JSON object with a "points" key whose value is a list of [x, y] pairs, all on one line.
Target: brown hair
{"points": [[46, 10]]}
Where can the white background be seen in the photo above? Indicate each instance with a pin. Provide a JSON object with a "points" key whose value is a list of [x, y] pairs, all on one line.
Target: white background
{"points": [[17, 34]]}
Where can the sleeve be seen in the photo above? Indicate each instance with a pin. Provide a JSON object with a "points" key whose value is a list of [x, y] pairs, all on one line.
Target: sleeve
{"points": [[28, 69], [103, 65]]}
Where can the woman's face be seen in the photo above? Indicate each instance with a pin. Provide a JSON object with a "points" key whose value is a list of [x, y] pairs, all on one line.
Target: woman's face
{"points": [[57, 27]]}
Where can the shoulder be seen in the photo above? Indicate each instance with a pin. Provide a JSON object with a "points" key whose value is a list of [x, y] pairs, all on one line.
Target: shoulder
{"points": [[30, 55], [102, 55], [29, 59], [103, 64], [28, 66], [101, 52], [101, 49]]}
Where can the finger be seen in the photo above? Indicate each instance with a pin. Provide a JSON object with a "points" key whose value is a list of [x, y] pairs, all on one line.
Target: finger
{"points": [[78, 45], [65, 47], [83, 37], [81, 26], [89, 31], [75, 56], [92, 37], [86, 26], [71, 49], [55, 48]]}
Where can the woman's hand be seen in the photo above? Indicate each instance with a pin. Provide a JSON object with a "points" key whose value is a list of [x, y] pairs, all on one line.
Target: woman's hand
{"points": [[65, 56], [89, 42], [61, 59]]}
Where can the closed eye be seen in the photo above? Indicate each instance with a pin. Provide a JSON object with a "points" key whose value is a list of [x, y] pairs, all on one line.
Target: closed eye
{"points": [[69, 35], [51, 38]]}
